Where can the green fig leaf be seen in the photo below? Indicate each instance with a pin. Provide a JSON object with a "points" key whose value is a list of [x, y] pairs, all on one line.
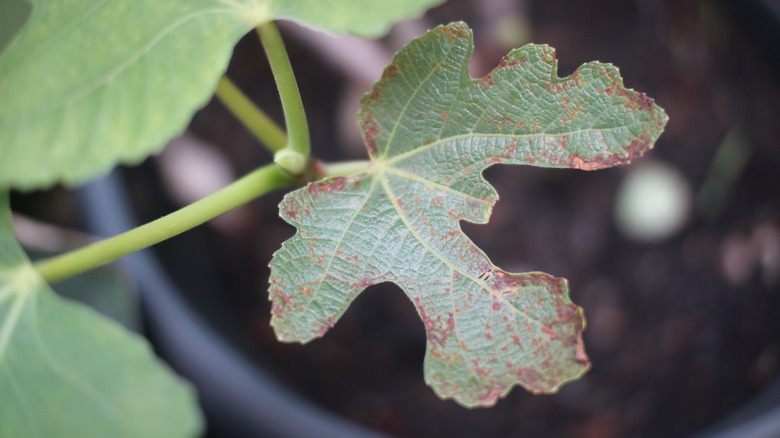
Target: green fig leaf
{"points": [[364, 18], [65, 370], [87, 84], [430, 130]]}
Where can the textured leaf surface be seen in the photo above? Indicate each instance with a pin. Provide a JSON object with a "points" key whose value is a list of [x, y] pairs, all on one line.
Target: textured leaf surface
{"points": [[430, 131], [90, 83], [67, 371]]}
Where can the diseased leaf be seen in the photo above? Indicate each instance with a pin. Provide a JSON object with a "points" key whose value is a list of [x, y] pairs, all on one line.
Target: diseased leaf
{"points": [[430, 131], [87, 84], [67, 371]]}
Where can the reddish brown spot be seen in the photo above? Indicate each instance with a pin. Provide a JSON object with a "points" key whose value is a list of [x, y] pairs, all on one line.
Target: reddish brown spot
{"points": [[452, 32], [493, 394], [436, 330], [511, 62], [549, 332], [450, 235], [645, 102], [291, 213], [370, 130], [331, 185], [481, 371], [487, 81], [391, 71], [532, 380]]}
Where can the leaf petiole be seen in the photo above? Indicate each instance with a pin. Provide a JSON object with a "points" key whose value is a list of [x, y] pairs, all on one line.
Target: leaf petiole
{"points": [[294, 157], [245, 189], [252, 117]]}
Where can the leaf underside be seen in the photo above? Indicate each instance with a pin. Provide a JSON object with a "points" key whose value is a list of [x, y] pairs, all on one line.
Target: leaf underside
{"points": [[67, 371], [87, 84], [430, 131]]}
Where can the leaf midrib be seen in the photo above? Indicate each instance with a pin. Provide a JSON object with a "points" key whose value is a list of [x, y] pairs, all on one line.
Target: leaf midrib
{"points": [[389, 162], [484, 286]]}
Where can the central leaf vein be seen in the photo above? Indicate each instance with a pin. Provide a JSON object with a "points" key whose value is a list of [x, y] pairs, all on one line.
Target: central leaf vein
{"points": [[484, 286], [445, 141]]}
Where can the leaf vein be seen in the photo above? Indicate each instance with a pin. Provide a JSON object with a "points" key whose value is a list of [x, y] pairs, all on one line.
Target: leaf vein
{"points": [[409, 101], [315, 291]]}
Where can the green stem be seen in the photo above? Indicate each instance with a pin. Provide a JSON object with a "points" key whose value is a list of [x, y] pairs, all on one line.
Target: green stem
{"points": [[344, 168], [240, 192], [264, 129], [294, 157]]}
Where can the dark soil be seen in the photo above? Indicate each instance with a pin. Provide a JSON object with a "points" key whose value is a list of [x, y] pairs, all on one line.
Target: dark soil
{"points": [[681, 332]]}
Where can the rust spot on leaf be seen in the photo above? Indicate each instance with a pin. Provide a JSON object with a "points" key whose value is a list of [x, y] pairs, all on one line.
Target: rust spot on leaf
{"points": [[391, 71], [436, 330], [336, 184], [454, 31], [636, 149], [549, 332], [480, 371], [370, 130], [507, 61], [493, 393]]}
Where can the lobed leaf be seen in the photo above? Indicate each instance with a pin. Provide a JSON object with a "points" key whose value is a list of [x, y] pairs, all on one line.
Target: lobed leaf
{"points": [[430, 131], [67, 371], [87, 84]]}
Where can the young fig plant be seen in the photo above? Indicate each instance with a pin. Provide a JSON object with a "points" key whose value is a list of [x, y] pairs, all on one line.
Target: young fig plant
{"points": [[430, 131]]}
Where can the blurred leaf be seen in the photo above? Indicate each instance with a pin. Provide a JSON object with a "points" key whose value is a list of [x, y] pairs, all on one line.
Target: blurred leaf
{"points": [[14, 14], [104, 289], [364, 18], [430, 131], [88, 84], [67, 371]]}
